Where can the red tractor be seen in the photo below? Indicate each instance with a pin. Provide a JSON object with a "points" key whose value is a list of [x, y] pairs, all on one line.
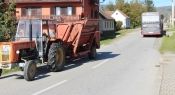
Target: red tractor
{"points": [[60, 41]]}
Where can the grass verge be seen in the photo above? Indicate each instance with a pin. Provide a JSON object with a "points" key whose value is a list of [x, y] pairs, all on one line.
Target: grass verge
{"points": [[108, 38], [168, 44], [4, 71], [170, 29]]}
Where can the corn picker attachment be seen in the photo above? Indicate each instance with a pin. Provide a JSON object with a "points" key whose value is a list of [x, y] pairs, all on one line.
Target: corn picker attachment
{"points": [[46, 41]]}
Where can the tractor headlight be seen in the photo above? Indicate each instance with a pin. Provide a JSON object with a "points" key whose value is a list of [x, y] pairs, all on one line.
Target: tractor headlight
{"points": [[5, 54], [5, 48]]}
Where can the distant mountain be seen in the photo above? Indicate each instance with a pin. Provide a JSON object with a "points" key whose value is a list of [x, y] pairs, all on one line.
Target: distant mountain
{"points": [[166, 11]]}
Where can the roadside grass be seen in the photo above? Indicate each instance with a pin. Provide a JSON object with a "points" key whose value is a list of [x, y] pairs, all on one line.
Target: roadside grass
{"points": [[109, 37], [168, 44], [106, 40], [5, 71], [170, 29]]}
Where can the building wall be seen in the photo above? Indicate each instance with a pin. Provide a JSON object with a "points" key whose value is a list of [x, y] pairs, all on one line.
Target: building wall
{"points": [[101, 25], [88, 7], [46, 11], [119, 17], [106, 25]]}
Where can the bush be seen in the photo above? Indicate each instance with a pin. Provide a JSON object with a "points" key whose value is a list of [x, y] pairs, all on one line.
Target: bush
{"points": [[118, 24], [7, 21]]}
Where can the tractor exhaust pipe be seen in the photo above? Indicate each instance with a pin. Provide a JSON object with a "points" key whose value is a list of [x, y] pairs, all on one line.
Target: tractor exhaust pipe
{"points": [[30, 34]]}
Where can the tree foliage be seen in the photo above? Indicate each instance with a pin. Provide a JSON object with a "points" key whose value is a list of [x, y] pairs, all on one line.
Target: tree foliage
{"points": [[110, 6], [133, 9], [118, 24], [149, 5], [120, 4], [7, 21]]}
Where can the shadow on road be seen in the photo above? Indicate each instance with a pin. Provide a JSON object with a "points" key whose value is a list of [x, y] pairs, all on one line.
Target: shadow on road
{"points": [[43, 71], [73, 63], [8, 76], [40, 74]]}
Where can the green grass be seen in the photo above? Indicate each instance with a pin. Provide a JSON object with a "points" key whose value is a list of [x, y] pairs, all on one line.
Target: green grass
{"points": [[114, 35], [168, 44], [170, 29], [4, 71]]}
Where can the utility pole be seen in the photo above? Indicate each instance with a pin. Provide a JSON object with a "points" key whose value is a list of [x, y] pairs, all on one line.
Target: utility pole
{"points": [[172, 13], [170, 20]]}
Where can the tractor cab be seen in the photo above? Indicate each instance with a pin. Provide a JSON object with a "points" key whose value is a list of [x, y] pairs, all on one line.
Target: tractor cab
{"points": [[33, 30]]}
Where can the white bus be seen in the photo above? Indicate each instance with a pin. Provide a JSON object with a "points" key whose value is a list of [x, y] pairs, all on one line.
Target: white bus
{"points": [[151, 23]]}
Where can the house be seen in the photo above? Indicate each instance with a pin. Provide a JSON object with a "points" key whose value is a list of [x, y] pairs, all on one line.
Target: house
{"points": [[120, 16], [56, 9], [106, 22]]}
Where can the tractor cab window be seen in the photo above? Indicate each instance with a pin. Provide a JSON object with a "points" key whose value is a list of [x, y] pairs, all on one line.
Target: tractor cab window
{"points": [[52, 30], [23, 29], [36, 29]]}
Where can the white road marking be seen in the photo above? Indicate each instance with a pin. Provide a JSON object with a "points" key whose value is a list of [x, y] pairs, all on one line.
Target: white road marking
{"points": [[50, 87], [100, 63]]}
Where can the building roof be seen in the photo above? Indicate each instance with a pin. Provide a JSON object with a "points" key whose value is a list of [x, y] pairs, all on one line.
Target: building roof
{"points": [[109, 12], [124, 14], [105, 15]]}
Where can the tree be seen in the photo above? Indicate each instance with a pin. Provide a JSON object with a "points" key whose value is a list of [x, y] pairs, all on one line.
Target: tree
{"points": [[135, 14], [149, 6], [120, 4], [110, 6], [118, 24], [8, 21], [2, 11], [126, 8]]}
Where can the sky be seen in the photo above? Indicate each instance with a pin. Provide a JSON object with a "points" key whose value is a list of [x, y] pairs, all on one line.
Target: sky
{"points": [[157, 3]]}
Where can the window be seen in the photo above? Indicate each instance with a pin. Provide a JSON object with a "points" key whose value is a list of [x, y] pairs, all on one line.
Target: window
{"points": [[31, 11], [63, 10], [112, 25], [58, 10], [92, 13], [105, 24], [96, 14], [69, 10]]}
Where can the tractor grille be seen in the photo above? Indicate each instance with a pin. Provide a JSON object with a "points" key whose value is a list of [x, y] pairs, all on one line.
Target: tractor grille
{"points": [[5, 57]]}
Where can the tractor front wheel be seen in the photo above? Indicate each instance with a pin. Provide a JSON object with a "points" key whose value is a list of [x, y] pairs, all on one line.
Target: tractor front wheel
{"points": [[56, 57], [29, 70], [92, 54]]}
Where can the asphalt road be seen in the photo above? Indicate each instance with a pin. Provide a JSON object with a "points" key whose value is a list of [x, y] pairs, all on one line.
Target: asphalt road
{"points": [[125, 67]]}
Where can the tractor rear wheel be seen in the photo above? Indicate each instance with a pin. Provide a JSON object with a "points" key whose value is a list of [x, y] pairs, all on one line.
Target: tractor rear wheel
{"points": [[56, 57], [92, 54], [29, 70], [0, 72]]}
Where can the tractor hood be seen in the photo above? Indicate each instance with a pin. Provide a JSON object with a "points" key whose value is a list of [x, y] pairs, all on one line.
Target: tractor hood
{"points": [[9, 51]]}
